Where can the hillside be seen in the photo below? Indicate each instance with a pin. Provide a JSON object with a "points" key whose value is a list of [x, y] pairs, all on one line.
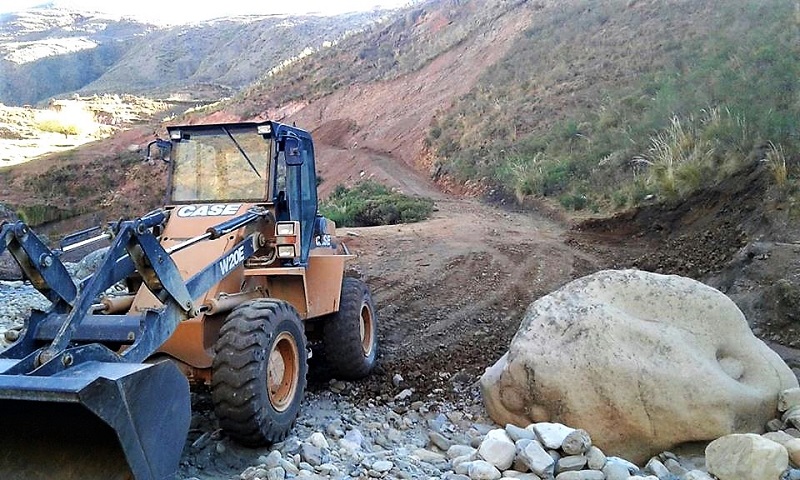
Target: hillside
{"points": [[55, 51]]}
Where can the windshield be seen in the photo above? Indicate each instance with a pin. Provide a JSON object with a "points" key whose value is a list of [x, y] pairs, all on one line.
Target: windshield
{"points": [[220, 163]]}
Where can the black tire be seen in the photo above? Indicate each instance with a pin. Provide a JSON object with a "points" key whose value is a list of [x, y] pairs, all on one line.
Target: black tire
{"points": [[350, 336], [261, 341]]}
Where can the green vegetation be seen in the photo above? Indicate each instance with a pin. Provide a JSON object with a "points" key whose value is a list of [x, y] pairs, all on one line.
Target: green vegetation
{"points": [[35, 215], [600, 106], [369, 203]]}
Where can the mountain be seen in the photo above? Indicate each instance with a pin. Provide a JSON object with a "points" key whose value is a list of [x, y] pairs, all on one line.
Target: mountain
{"points": [[52, 51]]}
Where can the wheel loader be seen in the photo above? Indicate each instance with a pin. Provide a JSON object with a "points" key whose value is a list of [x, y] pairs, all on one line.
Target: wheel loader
{"points": [[229, 285]]}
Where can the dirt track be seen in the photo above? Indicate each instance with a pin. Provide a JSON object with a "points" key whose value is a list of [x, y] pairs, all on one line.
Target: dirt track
{"points": [[451, 291]]}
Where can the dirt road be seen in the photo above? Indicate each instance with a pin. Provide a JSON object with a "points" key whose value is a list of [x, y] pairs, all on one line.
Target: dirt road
{"points": [[451, 291]]}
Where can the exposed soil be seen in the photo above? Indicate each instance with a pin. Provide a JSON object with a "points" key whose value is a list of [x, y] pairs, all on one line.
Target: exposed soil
{"points": [[452, 291]]}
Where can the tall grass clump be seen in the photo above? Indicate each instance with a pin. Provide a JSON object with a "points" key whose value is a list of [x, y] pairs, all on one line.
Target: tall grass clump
{"points": [[776, 161], [677, 158]]}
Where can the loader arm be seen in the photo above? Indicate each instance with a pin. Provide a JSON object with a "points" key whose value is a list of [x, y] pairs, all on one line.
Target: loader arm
{"points": [[71, 363], [39, 264]]}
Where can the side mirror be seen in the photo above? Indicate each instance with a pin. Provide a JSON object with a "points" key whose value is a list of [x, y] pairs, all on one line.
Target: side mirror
{"points": [[291, 148], [164, 148]]}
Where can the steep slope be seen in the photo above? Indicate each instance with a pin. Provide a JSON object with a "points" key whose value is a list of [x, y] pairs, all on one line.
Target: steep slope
{"points": [[49, 51], [52, 51]]}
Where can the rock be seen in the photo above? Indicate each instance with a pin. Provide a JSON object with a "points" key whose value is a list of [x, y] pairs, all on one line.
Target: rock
{"points": [[788, 398], [439, 440], [404, 395], [89, 264], [273, 459], [311, 454], [481, 470], [318, 440], [428, 456], [583, 475], [520, 476], [397, 380], [460, 451], [9, 268], [790, 443], [517, 433], [570, 463], [622, 355], [657, 468], [675, 467], [577, 442], [535, 457], [595, 458], [697, 475], [616, 471], [276, 473], [551, 435], [382, 466], [498, 449], [746, 457]]}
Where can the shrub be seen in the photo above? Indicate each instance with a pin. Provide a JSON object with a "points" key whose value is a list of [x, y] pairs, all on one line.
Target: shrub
{"points": [[369, 203]]}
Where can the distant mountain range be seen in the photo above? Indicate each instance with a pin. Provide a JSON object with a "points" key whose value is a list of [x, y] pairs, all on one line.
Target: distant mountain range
{"points": [[51, 51]]}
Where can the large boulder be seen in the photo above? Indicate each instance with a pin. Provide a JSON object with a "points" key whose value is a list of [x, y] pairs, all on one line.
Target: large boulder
{"points": [[641, 361]]}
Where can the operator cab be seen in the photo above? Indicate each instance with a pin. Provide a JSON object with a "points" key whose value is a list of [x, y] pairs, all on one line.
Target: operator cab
{"points": [[253, 162]]}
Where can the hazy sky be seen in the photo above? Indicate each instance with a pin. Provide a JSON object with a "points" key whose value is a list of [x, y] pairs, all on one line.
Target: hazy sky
{"points": [[178, 11]]}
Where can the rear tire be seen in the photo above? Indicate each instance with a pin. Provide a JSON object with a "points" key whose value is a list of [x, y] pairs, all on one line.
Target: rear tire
{"points": [[259, 372], [350, 336]]}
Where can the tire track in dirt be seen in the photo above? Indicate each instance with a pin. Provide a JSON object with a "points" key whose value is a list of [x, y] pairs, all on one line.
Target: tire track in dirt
{"points": [[451, 291]]}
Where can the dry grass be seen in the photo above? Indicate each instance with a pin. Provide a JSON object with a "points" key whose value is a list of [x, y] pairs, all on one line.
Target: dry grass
{"points": [[776, 161], [72, 121]]}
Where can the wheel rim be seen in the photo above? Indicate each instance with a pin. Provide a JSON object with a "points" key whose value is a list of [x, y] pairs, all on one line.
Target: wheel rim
{"points": [[366, 330], [282, 371]]}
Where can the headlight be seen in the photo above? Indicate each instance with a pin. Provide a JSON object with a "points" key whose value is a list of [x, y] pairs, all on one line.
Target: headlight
{"points": [[286, 251], [284, 229], [175, 135]]}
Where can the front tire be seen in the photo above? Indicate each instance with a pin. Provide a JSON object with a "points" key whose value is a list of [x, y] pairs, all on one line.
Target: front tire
{"points": [[259, 372], [350, 336]]}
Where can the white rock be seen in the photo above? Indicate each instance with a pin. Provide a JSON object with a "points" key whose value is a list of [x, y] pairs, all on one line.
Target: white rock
{"points": [[551, 435], [429, 456], [498, 449], [746, 456], [516, 433], [595, 458], [405, 394], [788, 398], [790, 443], [318, 440], [615, 471], [622, 355], [481, 470], [697, 475], [382, 466], [657, 468], [582, 475], [460, 451], [535, 457]]}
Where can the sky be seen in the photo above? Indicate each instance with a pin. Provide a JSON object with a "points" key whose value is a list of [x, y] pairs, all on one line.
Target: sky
{"points": [[180, 11]]}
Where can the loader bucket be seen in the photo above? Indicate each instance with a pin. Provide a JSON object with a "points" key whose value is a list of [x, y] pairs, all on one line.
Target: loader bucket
{"points": [[95, 420]]}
